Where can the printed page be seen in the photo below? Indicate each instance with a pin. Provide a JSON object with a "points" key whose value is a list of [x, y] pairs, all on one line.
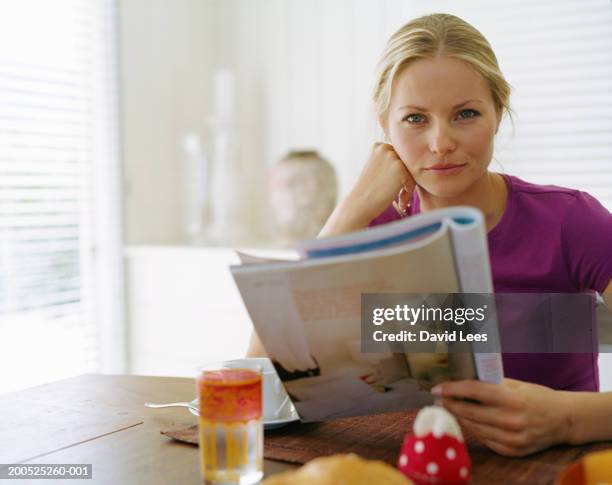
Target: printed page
{"points": [[307, 315]]}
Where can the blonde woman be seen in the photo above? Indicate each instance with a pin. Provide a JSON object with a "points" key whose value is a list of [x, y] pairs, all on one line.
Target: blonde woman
{"points": [[440, 97]]}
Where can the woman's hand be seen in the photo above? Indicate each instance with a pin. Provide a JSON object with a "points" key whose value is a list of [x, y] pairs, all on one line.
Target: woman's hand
{"points": [[382, 179], [514, 418]]}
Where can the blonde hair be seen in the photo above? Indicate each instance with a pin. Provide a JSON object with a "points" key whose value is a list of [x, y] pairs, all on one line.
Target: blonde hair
{"points": [[439, 34]]}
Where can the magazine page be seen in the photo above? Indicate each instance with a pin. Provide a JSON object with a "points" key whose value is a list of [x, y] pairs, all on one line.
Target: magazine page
{"points": [[472, 261], [307, 315], [252, 258], [401, 232]]}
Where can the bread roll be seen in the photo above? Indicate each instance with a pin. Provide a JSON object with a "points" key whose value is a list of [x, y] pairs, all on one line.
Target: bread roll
{"points": [[340, 470]]}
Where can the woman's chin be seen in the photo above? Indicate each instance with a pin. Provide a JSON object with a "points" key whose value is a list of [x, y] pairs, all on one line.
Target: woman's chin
{"points": [[447, 190]]}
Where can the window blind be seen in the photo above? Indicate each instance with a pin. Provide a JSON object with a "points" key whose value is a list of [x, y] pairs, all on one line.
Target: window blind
{"points": [[50, 125]]}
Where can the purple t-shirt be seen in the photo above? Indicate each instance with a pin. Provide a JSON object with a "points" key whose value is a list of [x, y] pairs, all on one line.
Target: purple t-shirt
{"points": [[549, 240]]}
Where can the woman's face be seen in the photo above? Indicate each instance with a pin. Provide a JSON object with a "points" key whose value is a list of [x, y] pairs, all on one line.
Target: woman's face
{"points": [[441, 122]]}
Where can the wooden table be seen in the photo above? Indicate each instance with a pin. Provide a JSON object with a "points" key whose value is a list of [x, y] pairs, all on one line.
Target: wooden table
{"points": [[101, 420]]}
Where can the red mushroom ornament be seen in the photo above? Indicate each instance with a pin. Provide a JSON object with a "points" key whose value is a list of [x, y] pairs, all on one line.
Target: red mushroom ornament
{"points": [[435, 454]]}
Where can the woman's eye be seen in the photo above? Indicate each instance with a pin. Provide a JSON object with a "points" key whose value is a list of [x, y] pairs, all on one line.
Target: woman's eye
{"points": [[468, 113], [413, 118], [416, 118]]}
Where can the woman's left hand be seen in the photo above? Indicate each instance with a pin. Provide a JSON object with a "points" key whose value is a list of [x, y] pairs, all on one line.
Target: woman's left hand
{"points": [[514, 418]]}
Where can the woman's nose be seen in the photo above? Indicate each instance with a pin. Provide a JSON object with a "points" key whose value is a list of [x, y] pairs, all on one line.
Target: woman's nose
{"points": [[441, 139]]}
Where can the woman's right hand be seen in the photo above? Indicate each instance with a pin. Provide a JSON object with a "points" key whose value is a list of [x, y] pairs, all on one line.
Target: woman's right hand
{"points": [[381, 180]]}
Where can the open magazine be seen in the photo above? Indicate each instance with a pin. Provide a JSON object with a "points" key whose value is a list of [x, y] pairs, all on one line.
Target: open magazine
{"points": [[307, 312]]}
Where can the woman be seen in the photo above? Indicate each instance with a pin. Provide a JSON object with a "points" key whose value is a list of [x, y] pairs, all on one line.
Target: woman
{"points": [[440, 97]]}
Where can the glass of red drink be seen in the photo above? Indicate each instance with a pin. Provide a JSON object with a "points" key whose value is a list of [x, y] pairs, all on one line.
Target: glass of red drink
{"points": [[230, 423]]}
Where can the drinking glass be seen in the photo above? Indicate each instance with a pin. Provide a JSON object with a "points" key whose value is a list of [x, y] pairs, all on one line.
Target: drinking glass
{"points": [[230, 423]]}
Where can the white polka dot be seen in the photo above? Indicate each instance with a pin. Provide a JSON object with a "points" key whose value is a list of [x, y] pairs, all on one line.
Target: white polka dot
{"points": [[403, 461], [432, 468], [463, 472], [451, 454], [419, 447]]}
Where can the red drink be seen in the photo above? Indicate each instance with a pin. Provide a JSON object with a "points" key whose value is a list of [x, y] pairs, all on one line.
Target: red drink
{"points": [[231, 428]]}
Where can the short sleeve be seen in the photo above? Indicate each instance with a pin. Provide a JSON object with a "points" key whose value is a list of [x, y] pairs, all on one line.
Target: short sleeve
{"points": [[388, 215], [587, 243]]}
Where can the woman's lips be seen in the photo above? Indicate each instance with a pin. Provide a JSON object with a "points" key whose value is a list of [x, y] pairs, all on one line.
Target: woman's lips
{"points": [[450, 169]]}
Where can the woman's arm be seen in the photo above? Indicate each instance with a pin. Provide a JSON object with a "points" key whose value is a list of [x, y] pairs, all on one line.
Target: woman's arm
{"points": [[379, 183], [344, 220], [590, 416], [518, 418]]}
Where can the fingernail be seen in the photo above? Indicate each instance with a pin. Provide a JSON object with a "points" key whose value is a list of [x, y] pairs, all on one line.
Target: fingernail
{"points": [[436, 390]]}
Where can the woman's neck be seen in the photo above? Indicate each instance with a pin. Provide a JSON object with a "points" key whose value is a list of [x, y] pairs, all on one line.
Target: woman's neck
{"points": [[488, 194]]}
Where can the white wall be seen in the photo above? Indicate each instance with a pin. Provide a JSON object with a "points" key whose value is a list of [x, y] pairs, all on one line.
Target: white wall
{"points": [[165, 52], [184, 310], [304, 70]]}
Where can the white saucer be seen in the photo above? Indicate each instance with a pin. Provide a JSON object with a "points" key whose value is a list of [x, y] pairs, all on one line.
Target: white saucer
{"points": [[289, 416]]}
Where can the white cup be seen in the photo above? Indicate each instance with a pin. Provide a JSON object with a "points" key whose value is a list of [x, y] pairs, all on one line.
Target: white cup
{"points": [[274, 396]]}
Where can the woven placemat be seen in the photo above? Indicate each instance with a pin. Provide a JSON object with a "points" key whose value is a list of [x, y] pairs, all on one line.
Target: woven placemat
{"points": [[377, 437], [380, 437]]}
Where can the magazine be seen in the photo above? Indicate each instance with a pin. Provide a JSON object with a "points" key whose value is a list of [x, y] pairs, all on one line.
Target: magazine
{"points": [[308, 312]]}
